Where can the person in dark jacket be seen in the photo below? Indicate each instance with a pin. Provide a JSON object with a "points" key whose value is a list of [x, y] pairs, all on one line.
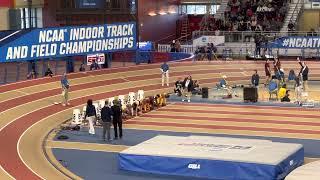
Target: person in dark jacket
{"points": [[91, 115], [94, 65], [117, 119], [82, 68], [178, 87], [304, 72], [48, 72], [267, 71], [255, 79], [106, 114], [187, 88]]}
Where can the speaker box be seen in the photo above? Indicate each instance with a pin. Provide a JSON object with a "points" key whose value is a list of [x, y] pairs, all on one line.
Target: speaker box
{"points": [[205, 92], [250, 94]]}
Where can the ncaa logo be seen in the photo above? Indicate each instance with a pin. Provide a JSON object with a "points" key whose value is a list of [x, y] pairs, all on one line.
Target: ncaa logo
{"points": [[204, 39], [194, 166]]}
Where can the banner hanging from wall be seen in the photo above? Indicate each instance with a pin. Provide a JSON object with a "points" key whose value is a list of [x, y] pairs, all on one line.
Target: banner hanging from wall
{"points": [[204, 40], [97, 4], [70, 41], [296, 42]]}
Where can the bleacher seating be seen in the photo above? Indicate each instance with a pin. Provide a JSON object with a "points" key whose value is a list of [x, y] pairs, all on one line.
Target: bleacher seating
{"points": [[249, 15]]}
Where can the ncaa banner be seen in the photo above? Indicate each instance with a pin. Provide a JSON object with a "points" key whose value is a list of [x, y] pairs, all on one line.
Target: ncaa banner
{"points": [[297, 42], [70, 41]]}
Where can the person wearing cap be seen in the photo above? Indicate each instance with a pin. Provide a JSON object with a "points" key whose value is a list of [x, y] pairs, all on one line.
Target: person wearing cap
{"points": [[304, 72], [65, 90], [165, 73]]}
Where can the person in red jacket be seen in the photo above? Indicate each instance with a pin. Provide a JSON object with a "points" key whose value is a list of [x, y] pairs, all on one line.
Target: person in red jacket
{"points": [[267, 71]]}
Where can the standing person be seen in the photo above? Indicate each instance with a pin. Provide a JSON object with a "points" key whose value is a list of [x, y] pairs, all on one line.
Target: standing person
{"points": [[173, 46], [277, 65], [106, 114], [267, 71], [65, 90], [165, 73], [304, 72], [257, 41], [298, 89], [255, 79], [117, 119], [187, 88], [91, 115]]}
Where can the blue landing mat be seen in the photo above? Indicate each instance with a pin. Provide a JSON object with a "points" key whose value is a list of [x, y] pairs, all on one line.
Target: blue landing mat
{"points": [[103, 165]]}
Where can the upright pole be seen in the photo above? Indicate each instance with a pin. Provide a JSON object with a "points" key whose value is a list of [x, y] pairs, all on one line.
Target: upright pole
{"points": [[137, 30], [30, 13]]}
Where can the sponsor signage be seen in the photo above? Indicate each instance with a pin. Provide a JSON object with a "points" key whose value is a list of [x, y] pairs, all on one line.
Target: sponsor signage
{"points": [[145, 46], [204, 40], [219, 147], [99, 58], [70, 41], [91, 4], [297, 42], [194, 166]]}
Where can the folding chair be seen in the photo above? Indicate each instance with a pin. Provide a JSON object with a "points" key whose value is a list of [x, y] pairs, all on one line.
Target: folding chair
{"points": [[291, 78], [76, 119], [273, 89]]}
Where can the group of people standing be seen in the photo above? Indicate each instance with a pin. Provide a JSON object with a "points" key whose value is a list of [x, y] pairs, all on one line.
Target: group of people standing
{"points": [[109, 115], [301, 80]]}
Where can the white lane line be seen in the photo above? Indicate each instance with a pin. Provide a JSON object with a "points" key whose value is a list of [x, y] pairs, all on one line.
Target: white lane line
{"points": [[9, 35], [18, 151], [6, 172], [24, 93]]}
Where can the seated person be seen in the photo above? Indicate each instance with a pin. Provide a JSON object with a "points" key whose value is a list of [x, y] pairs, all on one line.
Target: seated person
{"points": [[280, 75], [32, 75], [273, 86], [94, 66], [48, 72], [82, 68], [292, 75], [282, 92], [224, 84], [178, 87], [196, 88], [286, 97]]}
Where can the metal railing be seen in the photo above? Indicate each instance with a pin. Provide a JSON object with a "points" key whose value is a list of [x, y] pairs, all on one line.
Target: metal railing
{"points": [[248, 36]]}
